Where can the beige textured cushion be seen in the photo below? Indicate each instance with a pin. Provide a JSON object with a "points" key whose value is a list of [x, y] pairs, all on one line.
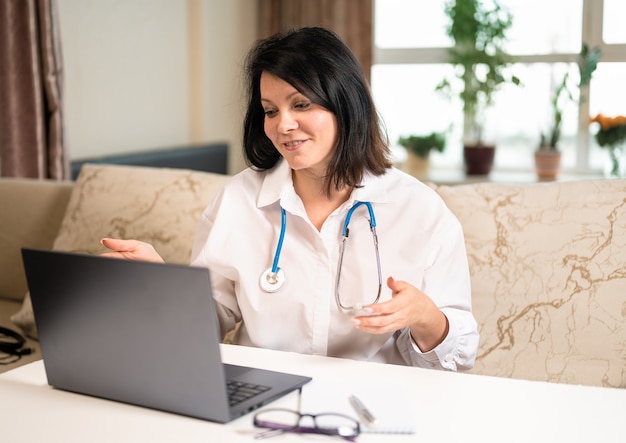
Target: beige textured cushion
{"points": [[157, 205], [31, 212], [548, 268]]}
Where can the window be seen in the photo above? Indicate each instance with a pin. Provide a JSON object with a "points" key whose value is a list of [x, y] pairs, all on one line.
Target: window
{"points": [[410, 60]]}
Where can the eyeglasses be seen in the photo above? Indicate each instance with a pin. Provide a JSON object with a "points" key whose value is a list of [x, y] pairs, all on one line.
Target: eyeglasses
{"points": [[278, 421]]}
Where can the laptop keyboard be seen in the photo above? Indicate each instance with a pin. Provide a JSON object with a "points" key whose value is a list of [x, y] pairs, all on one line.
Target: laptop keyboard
{"points": [[239, 391]]}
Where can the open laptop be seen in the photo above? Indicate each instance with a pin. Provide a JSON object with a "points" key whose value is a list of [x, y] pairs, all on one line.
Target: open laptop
{"points": [[140, 333]]}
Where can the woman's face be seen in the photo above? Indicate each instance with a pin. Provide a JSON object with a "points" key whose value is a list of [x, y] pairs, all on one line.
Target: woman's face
{"points": [[304, 133]]}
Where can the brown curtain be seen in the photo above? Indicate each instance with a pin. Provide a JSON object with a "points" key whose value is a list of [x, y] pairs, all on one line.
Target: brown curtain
{"points": [[31, 89], [352, 20]]}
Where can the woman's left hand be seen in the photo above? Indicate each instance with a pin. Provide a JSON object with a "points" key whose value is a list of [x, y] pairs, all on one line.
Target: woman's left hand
{"points": [[408, 307]]}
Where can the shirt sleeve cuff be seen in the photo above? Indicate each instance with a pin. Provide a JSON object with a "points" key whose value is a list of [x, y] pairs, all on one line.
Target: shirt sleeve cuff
{"points": [[441, 357]]}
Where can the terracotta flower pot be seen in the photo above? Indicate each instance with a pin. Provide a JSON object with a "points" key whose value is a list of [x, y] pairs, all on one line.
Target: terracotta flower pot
{"points": [[417, 166], [547, 164]]}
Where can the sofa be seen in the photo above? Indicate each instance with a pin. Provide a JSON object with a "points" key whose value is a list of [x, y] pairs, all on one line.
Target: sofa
{"points": [[547, 260], [208, 157]]}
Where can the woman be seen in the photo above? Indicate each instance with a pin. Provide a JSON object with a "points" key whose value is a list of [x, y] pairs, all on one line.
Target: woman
{"points": [[316, 148]]}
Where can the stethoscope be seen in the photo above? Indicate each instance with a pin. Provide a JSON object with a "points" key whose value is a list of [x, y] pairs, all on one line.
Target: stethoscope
{"points": [[273, 278]]}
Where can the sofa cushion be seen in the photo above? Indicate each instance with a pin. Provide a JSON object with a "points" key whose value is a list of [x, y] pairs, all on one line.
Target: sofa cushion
{"points": [[31, 215], [548, 269], [157, 205]]}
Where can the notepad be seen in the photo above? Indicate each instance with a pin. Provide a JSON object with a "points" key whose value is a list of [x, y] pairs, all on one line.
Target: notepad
{"points": [[394, 411]]}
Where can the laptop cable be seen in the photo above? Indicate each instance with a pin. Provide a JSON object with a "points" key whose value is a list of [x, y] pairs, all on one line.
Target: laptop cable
{"points": [[12, 346]]}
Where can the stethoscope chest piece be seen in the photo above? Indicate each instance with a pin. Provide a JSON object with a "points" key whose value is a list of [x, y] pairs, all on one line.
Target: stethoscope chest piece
{"points": [[272, 281]]}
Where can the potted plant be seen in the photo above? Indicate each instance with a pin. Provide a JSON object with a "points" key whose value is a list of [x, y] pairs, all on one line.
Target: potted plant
{"points": [[479, 34], [612, 136], [418, 148], [548, 155]]}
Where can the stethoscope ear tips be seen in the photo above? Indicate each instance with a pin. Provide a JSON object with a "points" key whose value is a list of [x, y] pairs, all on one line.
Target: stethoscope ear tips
{"points": [[272, 281]]}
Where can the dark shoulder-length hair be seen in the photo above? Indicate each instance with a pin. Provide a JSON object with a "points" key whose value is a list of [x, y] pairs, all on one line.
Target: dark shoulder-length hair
{"points": [[320, 66]]}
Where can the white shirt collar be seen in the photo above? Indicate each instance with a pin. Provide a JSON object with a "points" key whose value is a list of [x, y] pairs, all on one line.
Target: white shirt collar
{"points": [[278, 185], [374, 189]]}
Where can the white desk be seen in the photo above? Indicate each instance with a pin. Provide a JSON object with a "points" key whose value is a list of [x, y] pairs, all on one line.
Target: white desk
{"points": [[450, 407]]}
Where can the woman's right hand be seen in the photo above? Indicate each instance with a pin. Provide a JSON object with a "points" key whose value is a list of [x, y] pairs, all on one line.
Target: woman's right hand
{"points": [[130, 250]]}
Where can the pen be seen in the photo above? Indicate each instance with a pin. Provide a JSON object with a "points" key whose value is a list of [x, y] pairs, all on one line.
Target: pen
{"points": [[362, 411]]}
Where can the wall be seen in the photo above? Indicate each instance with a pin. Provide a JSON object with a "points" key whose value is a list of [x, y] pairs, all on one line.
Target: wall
{"points": [[141, 74]]}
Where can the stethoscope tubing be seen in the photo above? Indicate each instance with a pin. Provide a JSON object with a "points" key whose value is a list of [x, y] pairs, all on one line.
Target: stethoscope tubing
{"points": [[281, 238], [345, 233], [272, 279], [346, 222]]}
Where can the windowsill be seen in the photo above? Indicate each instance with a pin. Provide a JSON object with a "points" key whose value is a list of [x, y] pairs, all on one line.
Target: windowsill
{"points": [[458, 177]]}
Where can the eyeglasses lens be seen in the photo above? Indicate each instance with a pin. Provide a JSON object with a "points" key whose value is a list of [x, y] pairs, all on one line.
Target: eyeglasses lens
{"points": [[277, 419], [334, 424], [291, 421]]}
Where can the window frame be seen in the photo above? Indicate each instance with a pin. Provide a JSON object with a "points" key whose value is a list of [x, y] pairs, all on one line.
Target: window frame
{"points": [[592, 31]]}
